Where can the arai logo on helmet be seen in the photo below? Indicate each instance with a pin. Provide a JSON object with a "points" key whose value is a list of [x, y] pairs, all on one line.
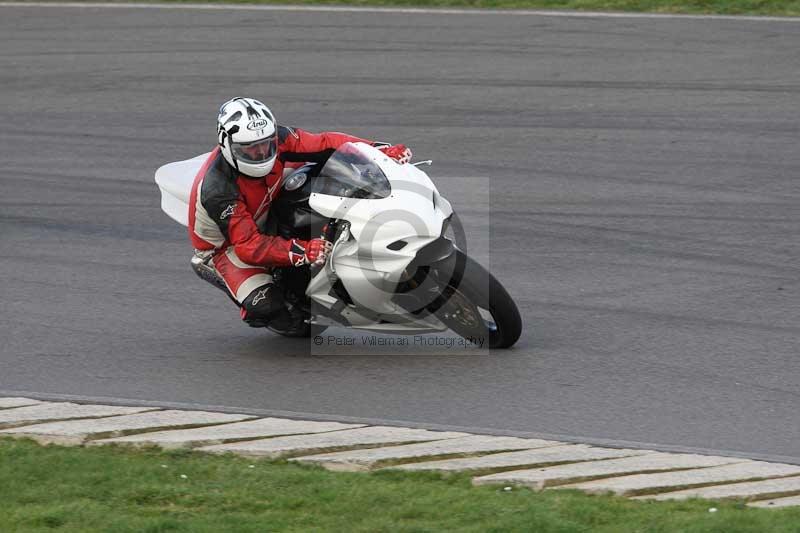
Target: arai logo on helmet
{"points": [[258, 124]]}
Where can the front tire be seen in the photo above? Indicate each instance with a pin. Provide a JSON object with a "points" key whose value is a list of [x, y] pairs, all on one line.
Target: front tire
{"points": [[475, 303]]}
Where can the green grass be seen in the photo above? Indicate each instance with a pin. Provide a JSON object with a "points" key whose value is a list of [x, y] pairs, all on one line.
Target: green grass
{"points": [[119, 490], [726, 7]]}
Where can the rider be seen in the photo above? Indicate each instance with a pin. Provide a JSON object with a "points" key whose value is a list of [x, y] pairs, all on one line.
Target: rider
{"points": [[232, 193]]}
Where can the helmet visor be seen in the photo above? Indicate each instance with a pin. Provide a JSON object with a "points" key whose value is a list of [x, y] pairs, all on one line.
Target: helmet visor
{"points": [[256, 152]]}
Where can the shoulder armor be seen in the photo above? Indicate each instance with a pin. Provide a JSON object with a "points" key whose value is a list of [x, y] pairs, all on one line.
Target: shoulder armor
{"points": [[285, 131]]}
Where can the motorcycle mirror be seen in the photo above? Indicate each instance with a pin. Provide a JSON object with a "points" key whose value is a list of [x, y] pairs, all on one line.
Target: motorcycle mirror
{"points": [[295, 181], [428, 162]]}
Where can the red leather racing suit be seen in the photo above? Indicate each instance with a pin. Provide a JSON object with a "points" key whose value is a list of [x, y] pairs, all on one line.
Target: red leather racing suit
{"points": [[225, 208]]}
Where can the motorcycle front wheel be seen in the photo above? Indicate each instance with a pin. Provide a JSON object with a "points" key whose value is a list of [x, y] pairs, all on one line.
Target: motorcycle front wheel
{"points": [[474, 304]]}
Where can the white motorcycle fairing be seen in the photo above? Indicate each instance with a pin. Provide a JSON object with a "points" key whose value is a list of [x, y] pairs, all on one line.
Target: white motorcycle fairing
{"points": [[367, 257], [175, 181]]}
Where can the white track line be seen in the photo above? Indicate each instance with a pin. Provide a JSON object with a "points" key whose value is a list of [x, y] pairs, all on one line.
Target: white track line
{"points": [[400, 10]]}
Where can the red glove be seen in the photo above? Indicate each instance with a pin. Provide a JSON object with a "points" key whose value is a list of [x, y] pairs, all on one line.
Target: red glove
{"points": [[398, 152], [313, 252]]}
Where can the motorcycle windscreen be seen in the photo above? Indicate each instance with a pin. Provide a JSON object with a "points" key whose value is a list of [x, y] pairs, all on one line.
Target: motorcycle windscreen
{"points": [[350, 173]]}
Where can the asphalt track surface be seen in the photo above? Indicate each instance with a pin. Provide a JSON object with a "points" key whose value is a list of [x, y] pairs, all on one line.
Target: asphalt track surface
{"points": [[644, 210]]}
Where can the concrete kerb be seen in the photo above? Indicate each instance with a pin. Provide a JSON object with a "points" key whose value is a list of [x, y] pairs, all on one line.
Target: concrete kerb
{"points": [[370, 436], [520, 460], [750, 490], [72, 432], [683, 479], [8, 403], [366, 459], [776, 503], [342, 446], [607, 443], [540, 478], [227, 433], [45, 412]]}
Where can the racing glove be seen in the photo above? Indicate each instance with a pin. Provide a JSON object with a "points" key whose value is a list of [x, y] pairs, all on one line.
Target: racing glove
{"points": [[314, 252], [399, 152]]}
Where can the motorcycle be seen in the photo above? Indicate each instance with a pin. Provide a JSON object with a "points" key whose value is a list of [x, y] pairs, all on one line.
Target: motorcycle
{"points": [[397, 264]]}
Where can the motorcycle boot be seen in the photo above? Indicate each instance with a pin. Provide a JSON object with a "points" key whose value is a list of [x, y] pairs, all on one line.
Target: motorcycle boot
{"points": [[291, 321]]}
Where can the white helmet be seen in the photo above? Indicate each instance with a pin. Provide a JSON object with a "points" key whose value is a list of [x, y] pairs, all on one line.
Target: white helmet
{"points": [[248, 136]]}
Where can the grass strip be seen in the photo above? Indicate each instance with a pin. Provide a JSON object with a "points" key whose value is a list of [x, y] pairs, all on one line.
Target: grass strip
{"points": [[718, 7], [118, 489]]}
